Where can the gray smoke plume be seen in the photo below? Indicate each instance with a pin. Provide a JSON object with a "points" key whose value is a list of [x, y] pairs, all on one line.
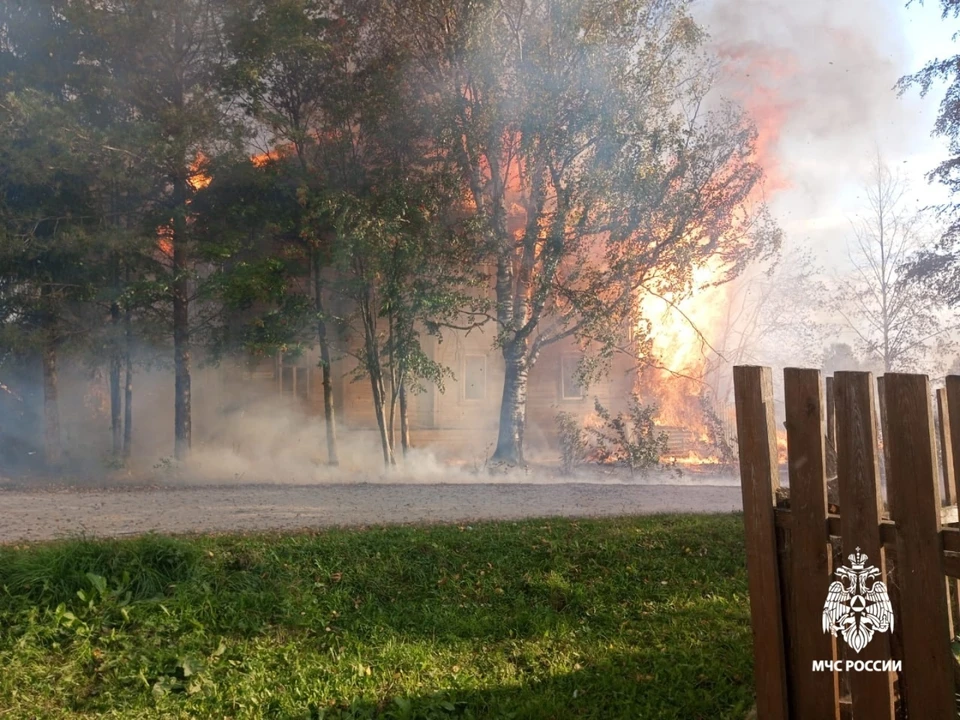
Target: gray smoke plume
{"points": [[818, 77]]}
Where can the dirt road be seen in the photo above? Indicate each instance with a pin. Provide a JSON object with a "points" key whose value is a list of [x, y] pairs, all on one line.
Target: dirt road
{"points": [[53, 513]]}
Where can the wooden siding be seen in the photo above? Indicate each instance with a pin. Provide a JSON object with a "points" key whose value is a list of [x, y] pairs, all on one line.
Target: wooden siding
{"points": [[450, 422]]}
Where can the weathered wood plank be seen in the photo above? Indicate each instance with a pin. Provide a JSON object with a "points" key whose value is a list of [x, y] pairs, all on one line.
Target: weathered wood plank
{"points": [[948, 489], [893, 582], [812, 694], [915, 508], [948, 486], [883, 433], [831, 420], [759, 479], [860, 514], [949, 538], [952, 392]]}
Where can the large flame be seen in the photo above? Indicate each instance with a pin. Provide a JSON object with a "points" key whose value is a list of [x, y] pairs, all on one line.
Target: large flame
{"points": [[687, 332], [684, 333], [683, 327]]}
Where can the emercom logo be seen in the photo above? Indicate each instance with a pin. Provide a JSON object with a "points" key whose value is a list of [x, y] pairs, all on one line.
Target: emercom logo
{"points": [[858, 665], [857, 607]]}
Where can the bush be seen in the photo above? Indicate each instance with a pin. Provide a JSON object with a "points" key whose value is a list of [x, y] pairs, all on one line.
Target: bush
{"points": [[573, 444], [632, 440]]}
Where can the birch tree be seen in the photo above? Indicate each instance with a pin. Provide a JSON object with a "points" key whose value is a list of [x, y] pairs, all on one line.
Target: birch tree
{"points": [[897, 321], [583, 122]]}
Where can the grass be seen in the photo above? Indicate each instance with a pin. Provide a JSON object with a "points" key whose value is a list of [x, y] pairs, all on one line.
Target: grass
{"points": [[624, 618]]}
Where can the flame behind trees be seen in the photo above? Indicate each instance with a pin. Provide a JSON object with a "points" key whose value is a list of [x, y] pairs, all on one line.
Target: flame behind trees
{"points": [[625, 182], [160, 64], [576, 133]]}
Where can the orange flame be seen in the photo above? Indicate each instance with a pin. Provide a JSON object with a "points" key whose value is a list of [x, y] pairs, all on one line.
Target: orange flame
{"points": [[264, 158], [685, 329], [755, 73], [197, 179]]}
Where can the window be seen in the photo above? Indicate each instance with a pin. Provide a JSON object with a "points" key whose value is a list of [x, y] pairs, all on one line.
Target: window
{"points": [[475, 377], [294, 380], [570, 388]]}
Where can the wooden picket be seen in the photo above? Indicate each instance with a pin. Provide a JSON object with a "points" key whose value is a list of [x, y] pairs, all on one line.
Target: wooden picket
{"points": [[760, 478], [859, 474], [791, 548], [812, 694]]}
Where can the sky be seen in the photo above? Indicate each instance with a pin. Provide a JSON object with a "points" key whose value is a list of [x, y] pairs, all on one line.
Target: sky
{"points": [[818, 76]]}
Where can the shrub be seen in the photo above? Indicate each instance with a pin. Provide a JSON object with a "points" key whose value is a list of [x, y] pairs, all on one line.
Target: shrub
{"points": [[632, 439], [573, 444]]}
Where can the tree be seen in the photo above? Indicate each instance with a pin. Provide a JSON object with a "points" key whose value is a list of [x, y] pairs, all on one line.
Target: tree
{"points": [[839, 357], [46, 226], [769, 315], [939, 268], [407, 266], [583, 122], [377, 231], [896, 319], [294, 63], [948, 126], [64, 130], [162, 61]]}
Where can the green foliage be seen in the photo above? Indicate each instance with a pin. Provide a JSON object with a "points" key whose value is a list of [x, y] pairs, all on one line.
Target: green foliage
{"points": [[402, 154], [631, 439], [942, 269], [144, 568], [605, 619], [573, 443], [49, 258]]}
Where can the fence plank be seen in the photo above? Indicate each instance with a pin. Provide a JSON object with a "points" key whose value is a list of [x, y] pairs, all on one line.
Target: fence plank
{"points": [[953, 413], [760, 479], [891, 576], [831, 431], [948, 494], [860, 512], [913, 486], [883, 433], [812, 694], [949, 491]]}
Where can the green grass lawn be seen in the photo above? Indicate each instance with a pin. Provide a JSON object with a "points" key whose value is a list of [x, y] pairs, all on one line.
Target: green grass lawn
{"points": [[625, 618]]}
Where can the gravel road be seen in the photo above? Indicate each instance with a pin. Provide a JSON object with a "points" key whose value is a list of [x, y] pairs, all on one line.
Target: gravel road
{"points": [[44, 514]]}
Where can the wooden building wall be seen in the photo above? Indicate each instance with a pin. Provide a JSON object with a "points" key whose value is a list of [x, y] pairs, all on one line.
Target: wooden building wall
{"points": [[462, 421]]}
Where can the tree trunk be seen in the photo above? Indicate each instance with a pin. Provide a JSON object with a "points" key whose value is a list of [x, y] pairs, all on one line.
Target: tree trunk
{"points": [[128, 388], [392, 422], [513, 406], [329, 418], [404, 422], [181, 326], [375, 371], [378, 405], [116, 409], [52, 448]]}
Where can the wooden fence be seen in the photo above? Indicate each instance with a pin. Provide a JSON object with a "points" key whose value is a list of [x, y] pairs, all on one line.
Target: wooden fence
{"points": [[795, 540]]}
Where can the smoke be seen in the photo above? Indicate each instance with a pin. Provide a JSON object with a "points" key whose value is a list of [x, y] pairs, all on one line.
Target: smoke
{"points": [[817, 77], [244, 433]]}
